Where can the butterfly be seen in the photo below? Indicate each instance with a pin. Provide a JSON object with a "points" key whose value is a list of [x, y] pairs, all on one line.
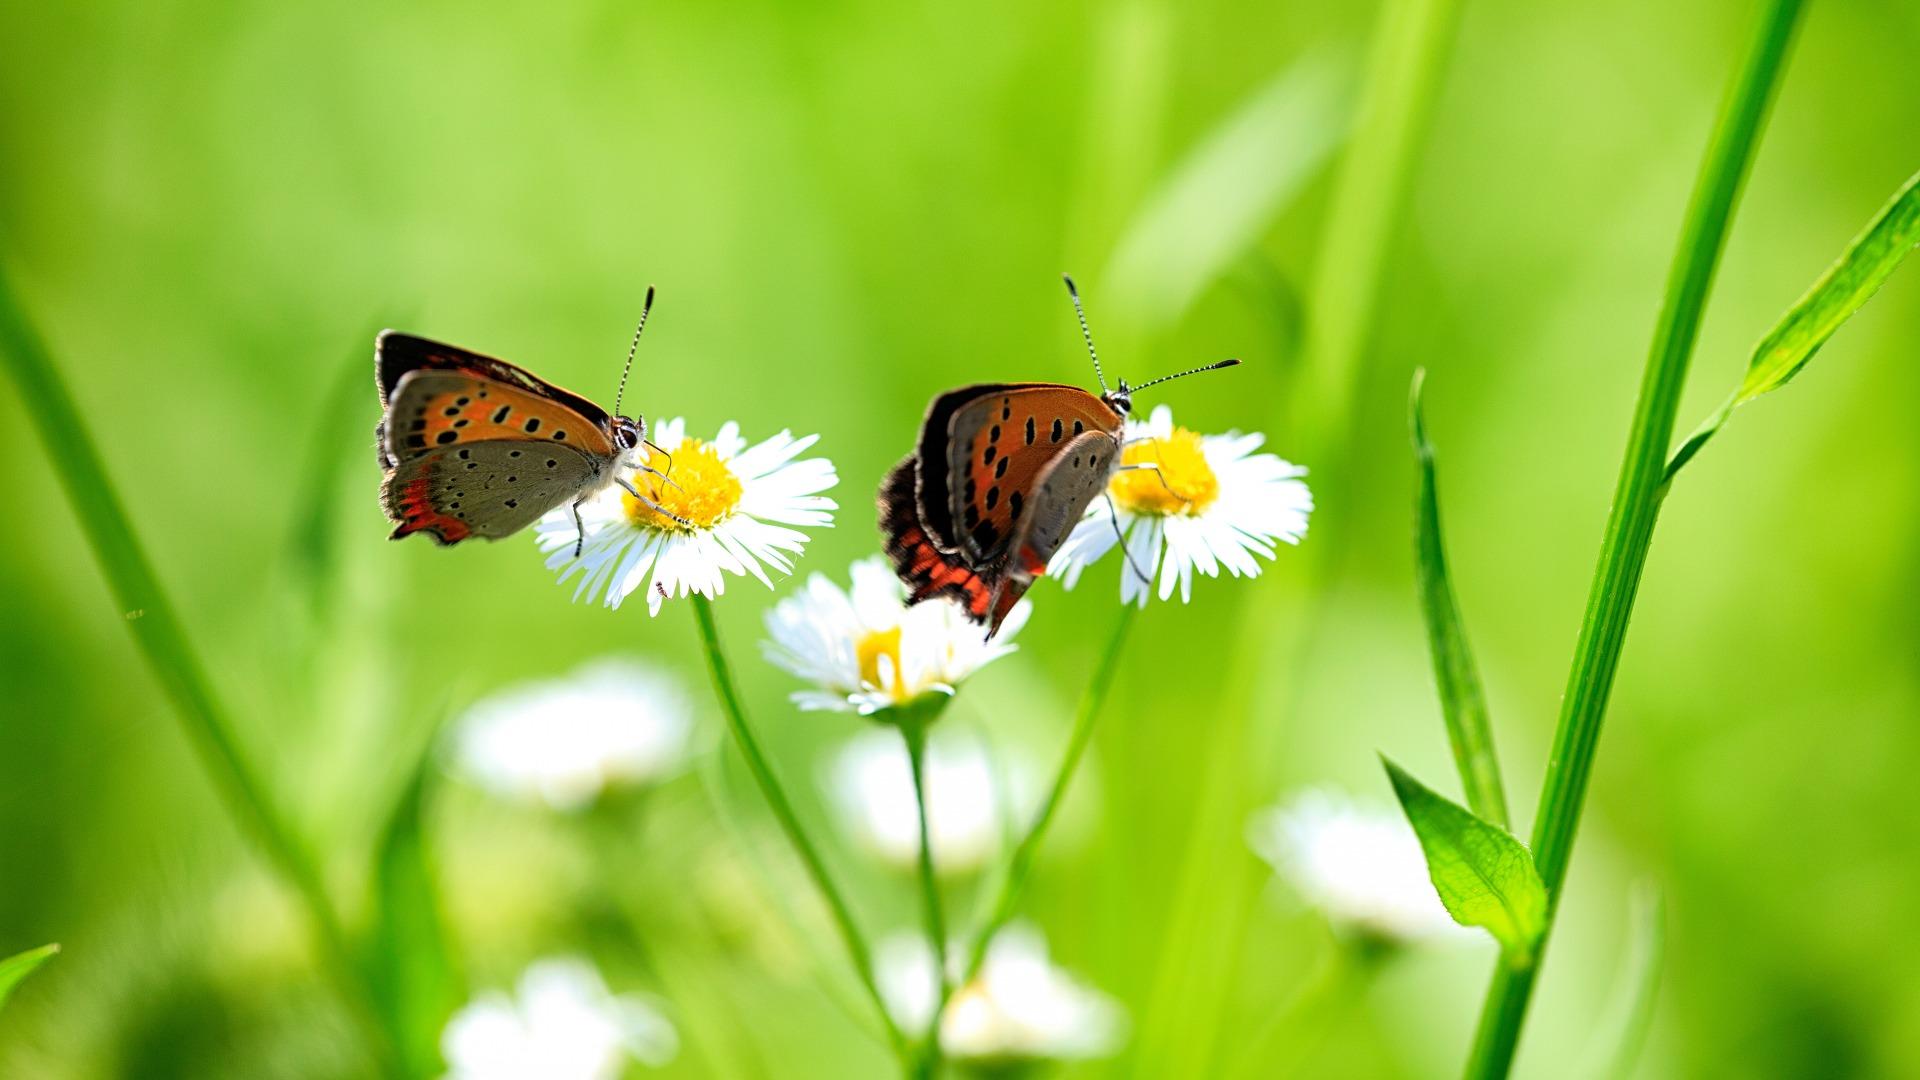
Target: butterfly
{"points": [[999, 478], [473, 446]]}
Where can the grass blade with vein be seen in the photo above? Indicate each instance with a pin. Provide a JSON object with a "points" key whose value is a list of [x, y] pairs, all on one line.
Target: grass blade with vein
{"points": [[163, 642]]}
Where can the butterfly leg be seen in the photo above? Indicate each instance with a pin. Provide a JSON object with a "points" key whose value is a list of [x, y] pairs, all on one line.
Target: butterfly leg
{"points": [[657, 450], [1113, 515], [650, 504], [579, 529], [664, 478], [1158, 475]]}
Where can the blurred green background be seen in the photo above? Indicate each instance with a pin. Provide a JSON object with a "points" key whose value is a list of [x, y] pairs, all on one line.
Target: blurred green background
{"points": [[210, 207]]}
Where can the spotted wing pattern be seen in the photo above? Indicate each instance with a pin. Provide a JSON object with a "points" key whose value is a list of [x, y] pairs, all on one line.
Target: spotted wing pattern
{"points": [[491, 488], [998, 447], [1061, 493], [929, 572], [395, 354], [430, 410]]}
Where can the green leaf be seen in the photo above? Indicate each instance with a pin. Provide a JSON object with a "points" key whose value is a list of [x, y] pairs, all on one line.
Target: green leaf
{"points": [[1227, 190], [20, 965], [1844, 289], [1484, 876], [410, 963], [1461, 699]]}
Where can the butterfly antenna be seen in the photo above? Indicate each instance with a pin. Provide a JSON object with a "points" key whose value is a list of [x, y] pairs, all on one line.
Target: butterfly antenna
{"points": [[1084, 332], [1184, 374], [645, 308]]}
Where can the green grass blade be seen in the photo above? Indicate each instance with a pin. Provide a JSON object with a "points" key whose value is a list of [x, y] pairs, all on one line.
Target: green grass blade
{"points": [[1848, 284], [1636, 507], [1404, 69], [1623, 1027], [1228, 189], [1187, 1011], [409, 954], [343, 427], [1484, 876], [1844, 289], [20, 965], [1461, 699], [163, 641]]}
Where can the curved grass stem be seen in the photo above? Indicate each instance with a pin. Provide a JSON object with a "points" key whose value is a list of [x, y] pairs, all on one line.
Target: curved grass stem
{"points": [[1021, 862], [1636, 508], [163, 641], [776, 796]]}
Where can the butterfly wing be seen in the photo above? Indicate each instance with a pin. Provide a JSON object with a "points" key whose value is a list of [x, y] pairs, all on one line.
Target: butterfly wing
{"points": [[395, 354], [1067, 484], [998, 448], [929, 572], [935, 507], [431, 410], [491, 488]]}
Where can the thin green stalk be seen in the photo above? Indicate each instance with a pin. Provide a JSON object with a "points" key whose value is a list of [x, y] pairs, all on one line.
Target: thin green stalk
{"points": [[776, 796], [163, 641], [1636, 507], [913, 731], [1020, 865], [1469, 731]]}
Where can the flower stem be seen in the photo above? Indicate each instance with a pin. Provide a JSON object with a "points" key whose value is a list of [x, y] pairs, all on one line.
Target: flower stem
{"points": [[163, 641], [776, 797], [913, 731], [1636, 507], [1021, 863]]}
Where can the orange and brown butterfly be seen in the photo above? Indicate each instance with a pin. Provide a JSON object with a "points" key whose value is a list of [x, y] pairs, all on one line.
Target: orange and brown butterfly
{"points": [[1001, 475], [473, 446]]}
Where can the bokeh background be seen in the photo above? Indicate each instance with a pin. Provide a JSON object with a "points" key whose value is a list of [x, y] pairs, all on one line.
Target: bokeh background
{"points": [[209, 207]]}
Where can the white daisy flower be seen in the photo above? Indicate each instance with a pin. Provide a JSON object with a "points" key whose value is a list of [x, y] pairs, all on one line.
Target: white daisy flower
{"points": [[865, 650], [565, 741], [970, 801], [731, 501], [1208, 501], [1019, 1009], [560, 1024], [1361, 867]]}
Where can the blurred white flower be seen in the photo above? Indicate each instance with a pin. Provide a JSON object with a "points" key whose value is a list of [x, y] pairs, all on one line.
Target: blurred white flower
{"points": [[865, 650], [560, 1024], [731, 501], [1019, 1009], [969, 800], [565, 741], [1361, 867], [1208, 502]]}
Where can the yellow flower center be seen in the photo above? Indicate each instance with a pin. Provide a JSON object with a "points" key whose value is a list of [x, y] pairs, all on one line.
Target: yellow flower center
{"points": [[870, 648], [1180, 481], [703, 492]]}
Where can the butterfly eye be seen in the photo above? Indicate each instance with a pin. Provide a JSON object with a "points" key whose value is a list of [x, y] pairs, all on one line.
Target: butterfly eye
{"points": [[626, 434]]}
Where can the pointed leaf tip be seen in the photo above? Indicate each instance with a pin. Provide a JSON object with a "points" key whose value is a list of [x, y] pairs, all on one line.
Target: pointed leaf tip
{"points": [[20, 965], [1484, 876]]}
